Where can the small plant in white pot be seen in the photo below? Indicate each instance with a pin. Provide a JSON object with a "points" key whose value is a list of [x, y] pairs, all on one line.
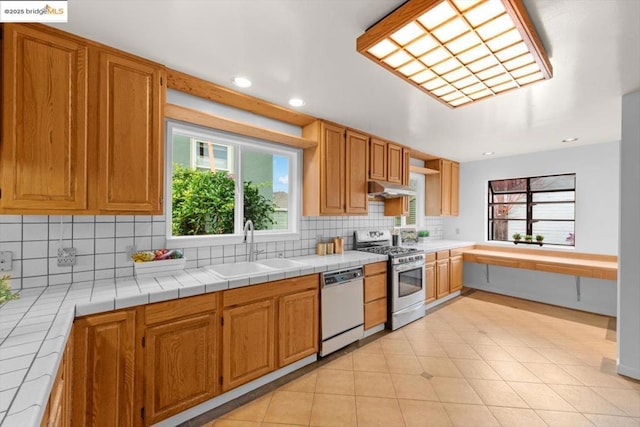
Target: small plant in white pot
{"points": [[516, 237], [539, 239], [423, 236]]}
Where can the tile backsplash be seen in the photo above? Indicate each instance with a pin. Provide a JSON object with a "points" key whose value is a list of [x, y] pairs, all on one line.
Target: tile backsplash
{"points": [[101, 242]]}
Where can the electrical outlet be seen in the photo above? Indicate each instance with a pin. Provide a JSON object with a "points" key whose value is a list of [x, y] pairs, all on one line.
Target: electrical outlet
{"points": [[66, 257], [6, 258]]}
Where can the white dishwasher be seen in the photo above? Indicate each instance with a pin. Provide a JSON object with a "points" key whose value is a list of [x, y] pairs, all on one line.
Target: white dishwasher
{"points": [[342, 312]]}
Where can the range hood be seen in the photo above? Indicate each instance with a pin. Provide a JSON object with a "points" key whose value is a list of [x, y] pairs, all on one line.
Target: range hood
{"points": [[389, 190]]}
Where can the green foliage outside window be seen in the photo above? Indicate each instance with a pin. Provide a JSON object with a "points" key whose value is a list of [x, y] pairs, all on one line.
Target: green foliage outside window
{"points": [[203, 203]]}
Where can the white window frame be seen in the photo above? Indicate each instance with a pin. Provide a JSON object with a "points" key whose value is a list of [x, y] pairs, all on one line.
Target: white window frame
{"points": [[195, 142], [239, 142]]}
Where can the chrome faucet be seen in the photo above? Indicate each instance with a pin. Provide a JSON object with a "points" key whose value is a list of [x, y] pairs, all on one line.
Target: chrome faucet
{"points": [[249, 226]]}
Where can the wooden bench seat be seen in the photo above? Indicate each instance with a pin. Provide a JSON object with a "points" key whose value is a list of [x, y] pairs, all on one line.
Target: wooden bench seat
{"points": [[572, 263]]}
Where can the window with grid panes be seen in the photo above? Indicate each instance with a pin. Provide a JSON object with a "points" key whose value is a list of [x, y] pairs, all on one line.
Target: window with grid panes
{"points": [[542, 205]]}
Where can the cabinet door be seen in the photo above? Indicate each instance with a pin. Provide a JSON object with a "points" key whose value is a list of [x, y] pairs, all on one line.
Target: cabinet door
{"points": [[44, 137], [399, 206], [455, 267], [375, 313], [442, 277], [455, 188], [130, 136], [430, 279], [445, 191], [377, 160], [248, 343], [180, 365], [357, 200], [375, 287], [394, 163], [332, 170], [103, 377], [297, 326]]}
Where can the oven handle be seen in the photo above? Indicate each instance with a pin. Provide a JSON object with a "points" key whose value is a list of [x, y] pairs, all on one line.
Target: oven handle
{"points": [[410, 266]]}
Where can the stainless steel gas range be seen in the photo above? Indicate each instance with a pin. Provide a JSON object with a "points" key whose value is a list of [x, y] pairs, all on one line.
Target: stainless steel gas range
{"points": [[405, 276]]}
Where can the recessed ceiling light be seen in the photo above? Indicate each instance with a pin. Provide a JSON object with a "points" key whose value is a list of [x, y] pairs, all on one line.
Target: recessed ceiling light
{"points": [[488, 153], [242, 82], [296, 102], [570, 139]]}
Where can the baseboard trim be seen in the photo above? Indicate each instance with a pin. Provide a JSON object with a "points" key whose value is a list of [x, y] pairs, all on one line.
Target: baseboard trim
{"points": [[628, 371]]}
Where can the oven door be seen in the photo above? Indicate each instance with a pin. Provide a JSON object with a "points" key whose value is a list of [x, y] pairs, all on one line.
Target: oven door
{"points": [[407, 285]]}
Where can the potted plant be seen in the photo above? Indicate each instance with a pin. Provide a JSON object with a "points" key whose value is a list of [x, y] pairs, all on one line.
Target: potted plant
{"points": [[5, 290], [423, 235], [539, 238], [528, 238], [516, 237]]}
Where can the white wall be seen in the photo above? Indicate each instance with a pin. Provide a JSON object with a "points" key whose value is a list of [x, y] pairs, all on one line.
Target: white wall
{"points": [[628, 265], [597, 192]]}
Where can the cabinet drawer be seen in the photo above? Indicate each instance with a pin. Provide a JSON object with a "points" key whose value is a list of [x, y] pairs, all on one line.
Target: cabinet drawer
{"points": [[442, 255], [375, 268], [375, 313], [375, 287], [268, 290], [171, 310], [430, 257]]}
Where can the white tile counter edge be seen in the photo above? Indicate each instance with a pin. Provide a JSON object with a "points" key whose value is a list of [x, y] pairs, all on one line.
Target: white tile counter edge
{"points": [[36, 354]]}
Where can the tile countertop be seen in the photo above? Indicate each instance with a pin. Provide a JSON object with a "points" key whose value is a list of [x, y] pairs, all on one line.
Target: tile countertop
{"points": [[34, 329]]}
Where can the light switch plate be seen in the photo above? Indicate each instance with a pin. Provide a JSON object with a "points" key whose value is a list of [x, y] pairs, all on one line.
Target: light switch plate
{"points": [[6, 258]]}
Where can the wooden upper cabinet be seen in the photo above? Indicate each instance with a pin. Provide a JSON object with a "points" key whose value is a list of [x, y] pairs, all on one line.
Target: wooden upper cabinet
{"points": [[357, 200], [61, 91], [332, 190], [44, 121], [377, 160], [130, 141], [442, 189], [394, 163], [104, 370], [455, 189], [400, 206]]}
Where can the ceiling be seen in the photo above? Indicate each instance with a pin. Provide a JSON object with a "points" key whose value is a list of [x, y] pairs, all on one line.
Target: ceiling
{"points": [[307, 49]]}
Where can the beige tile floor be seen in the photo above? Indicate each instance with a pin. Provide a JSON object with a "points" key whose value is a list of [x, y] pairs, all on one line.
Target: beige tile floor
{"points": [[481, 360]]}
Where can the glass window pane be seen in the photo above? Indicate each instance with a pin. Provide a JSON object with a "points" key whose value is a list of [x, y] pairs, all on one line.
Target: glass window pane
{"points": [[509, 185], [503, 230], [266, 190], [509, 211], [555, 232], [554, 211], [556, 196], [203, 201], [556, 182], [510, 198]]}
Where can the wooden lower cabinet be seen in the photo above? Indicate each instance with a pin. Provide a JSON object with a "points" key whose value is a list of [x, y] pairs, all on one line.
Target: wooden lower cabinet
{"points": [[248, 342], [180, 358], [455, 273], [297, 326], [375, 294], [430, 278], [104, 370], [58, 410], [268, 326], [442, 277]]}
